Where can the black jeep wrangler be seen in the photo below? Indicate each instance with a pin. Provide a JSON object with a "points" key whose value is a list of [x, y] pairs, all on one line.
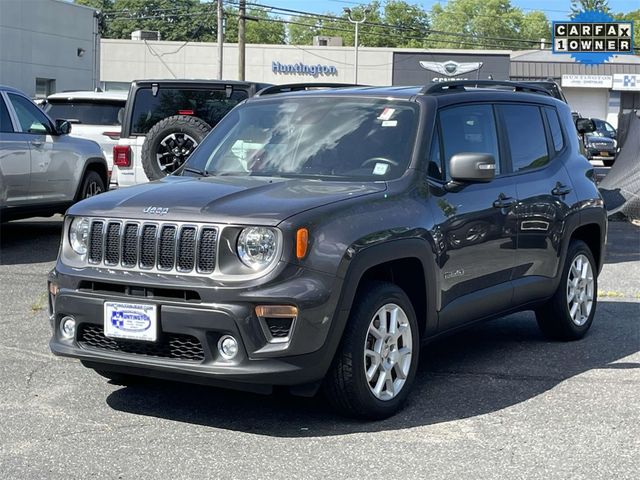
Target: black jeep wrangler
{"points": [[319, 239]]}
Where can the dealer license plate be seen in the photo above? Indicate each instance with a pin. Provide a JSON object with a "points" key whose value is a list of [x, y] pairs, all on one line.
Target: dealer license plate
{"points": [[132, 321], [604, 154]]}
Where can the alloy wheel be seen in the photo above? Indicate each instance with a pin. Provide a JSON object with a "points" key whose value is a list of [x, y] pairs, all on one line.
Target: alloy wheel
{"points": [[387, 352], [93, 188], [173, 150], [580, 290]]}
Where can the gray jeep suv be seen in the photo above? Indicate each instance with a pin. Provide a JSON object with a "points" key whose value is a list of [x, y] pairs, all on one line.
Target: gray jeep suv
{"points": [[318, 239], [43, 170]]}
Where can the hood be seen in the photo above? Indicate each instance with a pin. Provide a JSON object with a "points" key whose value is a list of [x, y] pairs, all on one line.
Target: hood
{"points": [[241, 200]]}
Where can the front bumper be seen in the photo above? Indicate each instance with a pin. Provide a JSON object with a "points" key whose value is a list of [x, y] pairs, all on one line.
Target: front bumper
{"points": [[260, 363], [601, 153]]}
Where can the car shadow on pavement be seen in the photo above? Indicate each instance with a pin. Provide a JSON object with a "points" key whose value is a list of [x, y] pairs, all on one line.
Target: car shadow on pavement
{"points": [[33, 241], [482, 370]]}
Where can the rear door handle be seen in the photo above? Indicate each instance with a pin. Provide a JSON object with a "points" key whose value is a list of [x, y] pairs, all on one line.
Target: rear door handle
{"points": [[504, 202], [559, 190]]}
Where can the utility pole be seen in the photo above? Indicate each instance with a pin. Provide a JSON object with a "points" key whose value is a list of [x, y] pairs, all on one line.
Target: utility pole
{"points": [[357, 24], [241, 35], [220, 38]]}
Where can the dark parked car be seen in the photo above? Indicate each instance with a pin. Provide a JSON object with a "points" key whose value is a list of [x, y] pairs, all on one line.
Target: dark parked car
{"points": [[315, 240], [602, 143]]}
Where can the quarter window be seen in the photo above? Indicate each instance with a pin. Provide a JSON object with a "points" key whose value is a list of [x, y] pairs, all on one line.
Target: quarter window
{"points": [[554, 126], [31, 118], [525, 135], [470, 129], [5, 120]]}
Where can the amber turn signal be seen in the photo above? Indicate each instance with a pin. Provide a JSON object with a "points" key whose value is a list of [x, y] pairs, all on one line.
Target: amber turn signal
{"points": [[276, 311], [302, 242]]}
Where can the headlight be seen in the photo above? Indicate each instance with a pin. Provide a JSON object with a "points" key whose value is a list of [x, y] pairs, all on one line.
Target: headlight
{"points": [[257, 247], [79, 235]]}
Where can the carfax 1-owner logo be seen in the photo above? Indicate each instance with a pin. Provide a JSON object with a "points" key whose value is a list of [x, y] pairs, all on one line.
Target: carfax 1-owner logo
{"points": [[592, 37]]}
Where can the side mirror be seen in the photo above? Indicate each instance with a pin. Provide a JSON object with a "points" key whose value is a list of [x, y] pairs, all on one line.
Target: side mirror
{"points": [[472, 167], [585, 125], [63, 127]]}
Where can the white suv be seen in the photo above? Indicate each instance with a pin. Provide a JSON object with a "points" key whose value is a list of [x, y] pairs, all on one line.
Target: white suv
{"points": [[165, 120], [94, 115]]}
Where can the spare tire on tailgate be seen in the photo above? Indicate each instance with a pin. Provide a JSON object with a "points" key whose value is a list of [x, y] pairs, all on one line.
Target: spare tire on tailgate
{"points": [[170, 142]]}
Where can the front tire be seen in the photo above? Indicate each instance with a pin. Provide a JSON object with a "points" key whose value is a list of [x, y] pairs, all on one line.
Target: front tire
{"points": [[92, 185], [376, 363], [568, 315]]}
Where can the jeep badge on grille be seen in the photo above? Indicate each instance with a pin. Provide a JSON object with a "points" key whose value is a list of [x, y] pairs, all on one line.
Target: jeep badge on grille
{"points": [[156, 210]]}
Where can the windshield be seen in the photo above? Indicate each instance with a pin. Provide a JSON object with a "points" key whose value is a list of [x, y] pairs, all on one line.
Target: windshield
{"points": [[89, 113], [365, 139]]}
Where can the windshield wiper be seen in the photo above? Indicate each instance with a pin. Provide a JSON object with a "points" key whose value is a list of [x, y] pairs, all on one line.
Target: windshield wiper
{"points": [[202, 173]]}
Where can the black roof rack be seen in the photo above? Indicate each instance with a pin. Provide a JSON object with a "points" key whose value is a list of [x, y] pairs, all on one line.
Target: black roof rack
{"points": [[298, 87], [459, 85]]}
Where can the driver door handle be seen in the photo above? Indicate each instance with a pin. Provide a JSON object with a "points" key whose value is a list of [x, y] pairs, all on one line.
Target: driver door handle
{"points": [[560, 190], [37, 143], [504, 202]]}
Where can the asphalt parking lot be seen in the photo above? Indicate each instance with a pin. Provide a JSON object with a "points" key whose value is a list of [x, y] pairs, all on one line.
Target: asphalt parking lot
{"points": [[497, 401]]}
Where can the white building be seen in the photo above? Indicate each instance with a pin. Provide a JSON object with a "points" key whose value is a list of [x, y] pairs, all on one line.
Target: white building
{"points": [[48, 46], [600, 91]]}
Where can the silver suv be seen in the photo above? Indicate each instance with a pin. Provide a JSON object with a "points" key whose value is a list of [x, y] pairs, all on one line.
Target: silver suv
{"points": [[43, 170]]}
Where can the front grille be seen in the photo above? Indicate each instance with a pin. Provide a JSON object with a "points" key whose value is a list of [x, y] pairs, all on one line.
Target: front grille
{"points": [[153, 246], [170, 345]]}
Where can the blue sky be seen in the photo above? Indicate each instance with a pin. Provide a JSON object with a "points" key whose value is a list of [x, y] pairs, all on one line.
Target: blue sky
{"points": [[555, 9]]}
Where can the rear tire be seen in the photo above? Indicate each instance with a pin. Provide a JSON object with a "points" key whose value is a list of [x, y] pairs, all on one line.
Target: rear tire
{"points": [[372, 373], [169, 143], [568, 315]]}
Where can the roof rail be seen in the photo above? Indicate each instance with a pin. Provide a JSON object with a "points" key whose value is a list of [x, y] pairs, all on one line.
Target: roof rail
{"points": [[297, 87], [458, 85]]}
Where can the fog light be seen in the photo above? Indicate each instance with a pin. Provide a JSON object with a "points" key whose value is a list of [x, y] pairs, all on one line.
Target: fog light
{"points": [[228, 347], [68, 327]]}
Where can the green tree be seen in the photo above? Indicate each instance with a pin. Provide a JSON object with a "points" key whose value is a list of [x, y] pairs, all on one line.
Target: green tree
{"points": [[635, 16], [101, 6], [175, 19], [486, 24], [260, 27], [578, 6], [397, 24]]}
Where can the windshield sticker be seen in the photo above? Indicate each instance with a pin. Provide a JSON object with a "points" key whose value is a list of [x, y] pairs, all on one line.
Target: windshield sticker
{"points": [[380, 168], [387, 113], [389, 123]]}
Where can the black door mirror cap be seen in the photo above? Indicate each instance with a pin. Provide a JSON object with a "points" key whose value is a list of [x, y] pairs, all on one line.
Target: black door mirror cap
{"points": [[585, 125], [472, 167], [63, 127]]}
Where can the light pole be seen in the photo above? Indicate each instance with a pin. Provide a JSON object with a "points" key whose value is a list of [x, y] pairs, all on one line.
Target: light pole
{"points": [[357, 24]]}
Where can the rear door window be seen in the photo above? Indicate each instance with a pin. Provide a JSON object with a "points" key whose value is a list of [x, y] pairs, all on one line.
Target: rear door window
{"points": [[526, 138], [469, 129], [208, 105], [554, 127], [85, 112], [5, 120]]}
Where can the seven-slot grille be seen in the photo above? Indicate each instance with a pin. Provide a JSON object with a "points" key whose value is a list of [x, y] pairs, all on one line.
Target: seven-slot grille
{"points": [[152, 245]]}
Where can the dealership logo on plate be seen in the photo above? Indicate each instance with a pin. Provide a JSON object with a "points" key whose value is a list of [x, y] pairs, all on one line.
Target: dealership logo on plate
{"points": [[130, 320]]}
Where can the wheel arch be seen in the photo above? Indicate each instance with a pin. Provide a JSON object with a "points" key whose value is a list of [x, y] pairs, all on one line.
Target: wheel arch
{"points": [[408, 263], [94, 164]]}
